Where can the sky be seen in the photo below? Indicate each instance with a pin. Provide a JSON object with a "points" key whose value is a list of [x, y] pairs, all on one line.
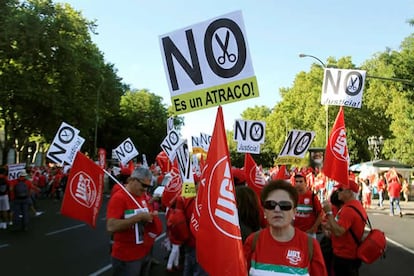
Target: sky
{"points": [[277, 32]]}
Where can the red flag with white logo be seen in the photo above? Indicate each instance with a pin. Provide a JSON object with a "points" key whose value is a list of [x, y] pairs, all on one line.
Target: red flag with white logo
{"points": [[83, 194], [335, 165], [219, 230], [173, 185], [254, 174]]}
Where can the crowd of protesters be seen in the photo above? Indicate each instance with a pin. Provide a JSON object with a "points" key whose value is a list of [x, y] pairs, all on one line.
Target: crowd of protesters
{"points": [[19, 195]]}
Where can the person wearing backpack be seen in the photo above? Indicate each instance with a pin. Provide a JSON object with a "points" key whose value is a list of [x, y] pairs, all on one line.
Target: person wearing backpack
{"points": [[20, 194], [345, 260], [281, 247], [4, 199]]}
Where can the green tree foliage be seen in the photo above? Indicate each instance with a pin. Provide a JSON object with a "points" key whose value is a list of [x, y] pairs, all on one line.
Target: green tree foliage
{"points": [[142, 117], [50, 71]]}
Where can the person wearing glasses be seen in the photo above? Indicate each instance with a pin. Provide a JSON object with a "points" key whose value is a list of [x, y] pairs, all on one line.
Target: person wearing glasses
{"points": [[280, 247], [340, 226], [133, 223]]}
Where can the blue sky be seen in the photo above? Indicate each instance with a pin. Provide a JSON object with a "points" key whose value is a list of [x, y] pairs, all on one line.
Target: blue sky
{"points": [[277, 31]]}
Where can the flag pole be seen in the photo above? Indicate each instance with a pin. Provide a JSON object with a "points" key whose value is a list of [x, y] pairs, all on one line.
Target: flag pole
{"points": [[123, 188]]}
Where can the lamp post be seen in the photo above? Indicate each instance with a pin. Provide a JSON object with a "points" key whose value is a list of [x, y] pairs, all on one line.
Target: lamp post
{"points": [[326, 106], [95, 142], [375, 144]]}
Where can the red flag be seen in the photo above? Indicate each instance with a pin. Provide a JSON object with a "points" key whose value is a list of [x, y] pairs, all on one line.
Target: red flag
{"points": [[282, 173], [219, 230], [335, 165], [163, 162], [173, 185], [83, 194], [254, 174]]}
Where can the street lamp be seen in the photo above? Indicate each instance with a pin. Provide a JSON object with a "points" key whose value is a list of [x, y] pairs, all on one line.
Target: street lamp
{"points": [[98, 95], [326, 106], [375, 144]]}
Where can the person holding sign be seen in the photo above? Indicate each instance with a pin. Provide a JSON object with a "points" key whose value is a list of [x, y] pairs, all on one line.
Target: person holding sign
{"points": [[133, 223]]}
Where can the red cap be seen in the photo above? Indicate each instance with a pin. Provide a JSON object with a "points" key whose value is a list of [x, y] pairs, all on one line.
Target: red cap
{"points": [[126, 171], [352, 185]]}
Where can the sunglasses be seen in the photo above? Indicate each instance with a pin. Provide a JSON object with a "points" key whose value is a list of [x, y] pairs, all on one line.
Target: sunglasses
{"points": [[283, 205], [144, 184]]}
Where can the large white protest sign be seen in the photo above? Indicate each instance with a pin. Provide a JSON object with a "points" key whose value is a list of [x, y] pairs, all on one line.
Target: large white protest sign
{"points": [[65, 145], [296, 145], [186, 170], [343, 87], [208, 64], [170, 144], [14, 170], [200, 144], [249, 135], [126, 151]]}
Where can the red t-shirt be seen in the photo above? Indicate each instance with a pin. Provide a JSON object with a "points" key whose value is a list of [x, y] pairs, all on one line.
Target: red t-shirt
{"points": [[309, 207], [394, 189], [345, 246], [271, 255], [125, 247], [380, 185]]}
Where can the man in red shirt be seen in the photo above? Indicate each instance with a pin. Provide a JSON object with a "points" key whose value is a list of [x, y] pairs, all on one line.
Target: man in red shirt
{"points": [[345, 261], [20, 195], [394, 191], [381, 189], [308, 215], [133, 223]]}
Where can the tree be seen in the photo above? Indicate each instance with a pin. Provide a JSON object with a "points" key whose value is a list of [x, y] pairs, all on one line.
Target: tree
{"points": [[50, 71], [142, 117]]}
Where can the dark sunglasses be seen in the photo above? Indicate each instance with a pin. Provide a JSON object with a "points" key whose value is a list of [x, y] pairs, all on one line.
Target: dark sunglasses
{"points": [[283, 205], [143, 184]]}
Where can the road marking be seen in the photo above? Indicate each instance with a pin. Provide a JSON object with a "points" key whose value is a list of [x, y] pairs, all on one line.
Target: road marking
{"points": [[102, 270], [400, 245], [160, 237], [4, 245], [65, 229], [106, 268]]}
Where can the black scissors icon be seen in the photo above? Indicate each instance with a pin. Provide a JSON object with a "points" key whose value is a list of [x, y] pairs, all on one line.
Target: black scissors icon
{"points": [[231, 57]]}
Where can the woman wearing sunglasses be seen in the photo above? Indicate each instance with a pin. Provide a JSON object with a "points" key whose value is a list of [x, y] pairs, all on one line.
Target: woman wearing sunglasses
{"points": [[280, 248]]}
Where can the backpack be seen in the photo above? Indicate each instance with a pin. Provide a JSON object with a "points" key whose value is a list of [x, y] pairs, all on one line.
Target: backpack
{"points": [[21, 191], [3, 186], [373, 246]]}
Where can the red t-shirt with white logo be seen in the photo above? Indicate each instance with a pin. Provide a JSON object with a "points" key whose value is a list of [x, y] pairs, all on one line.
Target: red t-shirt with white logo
{"points": [[125, 247], [307, 211]]}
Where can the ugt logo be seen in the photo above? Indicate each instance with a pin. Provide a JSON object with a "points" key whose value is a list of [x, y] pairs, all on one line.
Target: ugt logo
{"points": [[338, 144], [83, 189], [222, 208]]}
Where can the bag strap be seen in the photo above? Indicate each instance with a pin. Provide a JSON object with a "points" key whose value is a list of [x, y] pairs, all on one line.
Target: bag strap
{"points": [[255, 238], [310, 248], [367, 222]]}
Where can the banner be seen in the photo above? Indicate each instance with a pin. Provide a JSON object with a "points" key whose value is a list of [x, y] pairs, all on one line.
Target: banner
{"points": [[83, 194], [336, 163], [219, 229]]}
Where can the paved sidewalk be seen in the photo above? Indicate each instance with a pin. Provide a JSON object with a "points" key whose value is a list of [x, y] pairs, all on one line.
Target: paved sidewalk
{"points": [[407, 208]]}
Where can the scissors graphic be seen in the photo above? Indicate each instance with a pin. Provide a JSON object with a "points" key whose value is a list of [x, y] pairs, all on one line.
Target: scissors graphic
{"points": [[231, 57]]}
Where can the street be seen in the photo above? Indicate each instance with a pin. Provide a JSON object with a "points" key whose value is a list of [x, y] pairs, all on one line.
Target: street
{"points": [[57, 245]]}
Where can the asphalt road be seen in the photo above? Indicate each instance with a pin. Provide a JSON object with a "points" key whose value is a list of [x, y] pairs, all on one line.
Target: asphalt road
{"points": [[57, 245]]}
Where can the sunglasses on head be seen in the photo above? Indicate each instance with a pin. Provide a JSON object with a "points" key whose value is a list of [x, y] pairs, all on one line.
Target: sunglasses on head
{"points": [[283, 205]]}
